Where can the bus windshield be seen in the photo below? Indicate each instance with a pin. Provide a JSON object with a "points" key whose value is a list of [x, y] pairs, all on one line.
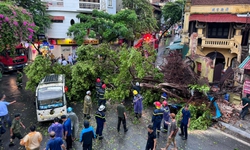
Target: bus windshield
{"points": [[50, 97]]}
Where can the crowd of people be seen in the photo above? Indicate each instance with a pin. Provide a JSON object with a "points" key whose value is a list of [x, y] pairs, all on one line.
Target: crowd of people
{"points": [[62, 134], [71, 60]]}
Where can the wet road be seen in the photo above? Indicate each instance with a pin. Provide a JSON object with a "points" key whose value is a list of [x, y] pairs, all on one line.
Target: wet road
{"points": [[134, 139]]}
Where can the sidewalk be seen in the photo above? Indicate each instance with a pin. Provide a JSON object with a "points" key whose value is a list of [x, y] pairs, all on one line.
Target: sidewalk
{"points": [[236, 126]]}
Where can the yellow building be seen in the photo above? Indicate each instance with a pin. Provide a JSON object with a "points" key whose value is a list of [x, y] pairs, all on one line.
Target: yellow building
{"points": [[216, 33]]}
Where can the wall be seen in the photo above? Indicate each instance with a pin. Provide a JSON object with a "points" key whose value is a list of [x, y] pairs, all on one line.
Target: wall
{"points": [[111, 9], [217, 2], [68, 5], [225, 52], [119, 5], [233, 9], [207, 70], [59, 30]]}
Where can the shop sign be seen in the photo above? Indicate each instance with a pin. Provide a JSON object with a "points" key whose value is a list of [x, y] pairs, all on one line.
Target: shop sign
{"points": [[91, 41], [66, 42], [65, 49]]}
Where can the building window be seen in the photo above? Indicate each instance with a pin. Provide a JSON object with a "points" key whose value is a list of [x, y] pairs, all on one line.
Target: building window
{"points": [[54, 3], [89, 4], [57, 21], [72, 21], [90, 1], [218, 30], [110, 3]]}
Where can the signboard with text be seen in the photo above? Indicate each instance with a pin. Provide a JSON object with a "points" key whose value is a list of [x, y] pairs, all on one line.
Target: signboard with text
{"points": [[66, 42], [91, 41]]}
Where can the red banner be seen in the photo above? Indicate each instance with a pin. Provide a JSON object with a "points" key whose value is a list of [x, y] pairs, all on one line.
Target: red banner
{"points": [[246, 87]]}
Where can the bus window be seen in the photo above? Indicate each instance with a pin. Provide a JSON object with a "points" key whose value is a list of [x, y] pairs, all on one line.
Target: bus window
{"points": [[50, 97]]}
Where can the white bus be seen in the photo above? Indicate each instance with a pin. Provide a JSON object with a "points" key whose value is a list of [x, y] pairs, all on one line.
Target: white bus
{"points": [[50, 98]]}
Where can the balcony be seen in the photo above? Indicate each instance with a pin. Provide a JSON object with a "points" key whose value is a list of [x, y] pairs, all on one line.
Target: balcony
{"points": [[231, 44], [86, 5]]}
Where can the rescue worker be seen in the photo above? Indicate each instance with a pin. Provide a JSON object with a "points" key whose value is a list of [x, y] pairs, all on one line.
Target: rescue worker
{"points": [[101, 92], [138, 106], [87, 105], [157, 118], [137, 87], [100, 121], [74, 122], [166, 115], [164, 96], [98, 85], [19, 79]]}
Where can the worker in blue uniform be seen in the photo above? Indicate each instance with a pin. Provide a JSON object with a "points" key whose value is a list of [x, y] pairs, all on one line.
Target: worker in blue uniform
{"points": [[98, 85], [157, 118], [100, 121], [166, 116], [101, 93]]}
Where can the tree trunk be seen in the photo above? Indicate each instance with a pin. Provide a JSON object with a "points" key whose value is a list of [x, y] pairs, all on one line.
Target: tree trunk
{"points": [[37, 48], [166, 29]]}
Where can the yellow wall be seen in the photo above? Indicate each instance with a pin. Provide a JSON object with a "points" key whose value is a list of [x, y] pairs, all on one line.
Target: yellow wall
{"points": [[225, 52], [206, 70], [233, 9]]}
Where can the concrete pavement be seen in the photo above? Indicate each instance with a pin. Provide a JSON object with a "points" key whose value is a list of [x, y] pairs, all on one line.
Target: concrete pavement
{"points": [[134, 139]]}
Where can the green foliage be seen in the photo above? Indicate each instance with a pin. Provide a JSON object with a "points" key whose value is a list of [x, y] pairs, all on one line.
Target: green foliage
{"points": [[200, 117], [38, 10], [105, 26], [147, 23], [118, 68], [42, 67], [16, 25], [201, 88], [37, 71], [172, 11], [149, 97]]}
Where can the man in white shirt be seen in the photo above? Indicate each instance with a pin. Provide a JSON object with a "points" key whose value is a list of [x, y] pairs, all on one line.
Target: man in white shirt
{"points": [[59, 60], [64, 62], [70, 59]]}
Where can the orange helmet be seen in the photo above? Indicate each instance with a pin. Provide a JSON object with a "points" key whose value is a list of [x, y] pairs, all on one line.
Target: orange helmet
{"points": [[157, 104], [98, 80], [104, 86], [165, 103]]}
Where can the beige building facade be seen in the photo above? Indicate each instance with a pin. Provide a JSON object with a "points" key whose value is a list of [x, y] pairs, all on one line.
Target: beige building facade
{"points": [[216, 32]]}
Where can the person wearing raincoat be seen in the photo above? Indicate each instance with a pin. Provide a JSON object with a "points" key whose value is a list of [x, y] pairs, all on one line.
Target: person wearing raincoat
{"points": [[138, 106], [74, 122], [166, 115], [87, 105]]}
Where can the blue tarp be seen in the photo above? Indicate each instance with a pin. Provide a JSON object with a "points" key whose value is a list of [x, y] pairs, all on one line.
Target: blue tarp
{"points": [[175, 46]]}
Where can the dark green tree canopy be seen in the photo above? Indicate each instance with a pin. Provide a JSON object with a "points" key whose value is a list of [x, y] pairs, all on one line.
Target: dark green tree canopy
{"points": [[105, 26], [172, 12], [144, 11]]}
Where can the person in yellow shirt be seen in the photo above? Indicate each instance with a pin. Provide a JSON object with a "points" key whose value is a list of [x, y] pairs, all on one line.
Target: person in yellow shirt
{"points": [[32, 140]]}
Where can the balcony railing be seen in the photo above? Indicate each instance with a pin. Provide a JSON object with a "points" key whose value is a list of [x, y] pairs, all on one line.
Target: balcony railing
{"points": [[83, 5], [231, 44], [217, 43]]}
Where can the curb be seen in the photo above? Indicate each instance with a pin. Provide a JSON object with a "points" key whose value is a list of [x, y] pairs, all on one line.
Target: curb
{"points": [[231, 136], [235, 130]]}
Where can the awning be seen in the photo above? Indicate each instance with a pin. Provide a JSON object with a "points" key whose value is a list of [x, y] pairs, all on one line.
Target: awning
{"points": [[175, 46], [57, 17], [217, 18], [245, 64]]}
